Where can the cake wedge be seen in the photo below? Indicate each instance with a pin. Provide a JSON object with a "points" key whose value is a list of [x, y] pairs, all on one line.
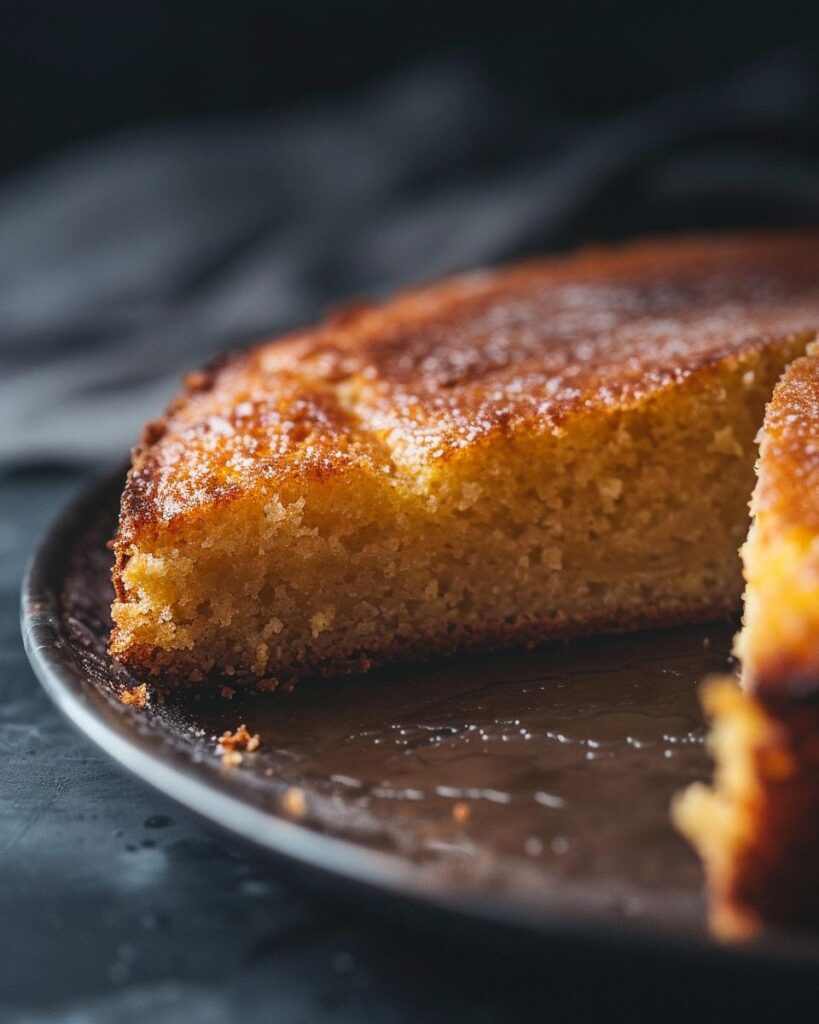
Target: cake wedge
{"points": [[758, 827], [553, 449]]}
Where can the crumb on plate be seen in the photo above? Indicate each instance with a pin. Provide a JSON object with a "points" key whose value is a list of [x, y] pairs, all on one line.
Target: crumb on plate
{"points": [[461, 812], [241, 739], [231, 744], [135, 696], [294, 802]]}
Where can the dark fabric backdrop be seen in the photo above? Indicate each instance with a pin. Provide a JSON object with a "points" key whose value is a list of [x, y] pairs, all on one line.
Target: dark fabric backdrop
{"points": [[126, 260]]}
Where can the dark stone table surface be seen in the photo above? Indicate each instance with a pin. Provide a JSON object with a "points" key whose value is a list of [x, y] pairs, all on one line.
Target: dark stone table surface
{"points": [[118, 907]]}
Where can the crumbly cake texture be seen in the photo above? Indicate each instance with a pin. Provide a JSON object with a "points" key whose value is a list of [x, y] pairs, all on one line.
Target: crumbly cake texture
{"points": [[557, 448], [758, 828]]}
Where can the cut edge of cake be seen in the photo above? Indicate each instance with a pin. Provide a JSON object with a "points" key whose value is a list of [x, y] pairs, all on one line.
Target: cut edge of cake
{"points": [[757, 826]]}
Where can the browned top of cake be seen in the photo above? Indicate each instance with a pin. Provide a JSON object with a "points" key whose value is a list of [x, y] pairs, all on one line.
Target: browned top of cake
{"points": [[788, 490], [438, 369]]}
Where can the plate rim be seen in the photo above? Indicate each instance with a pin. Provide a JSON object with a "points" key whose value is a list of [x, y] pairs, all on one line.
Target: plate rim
{"points": [[371, 873]]}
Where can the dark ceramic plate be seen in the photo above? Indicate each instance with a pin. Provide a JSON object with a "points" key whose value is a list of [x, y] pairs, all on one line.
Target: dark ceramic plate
{"points": [[525, 793]]}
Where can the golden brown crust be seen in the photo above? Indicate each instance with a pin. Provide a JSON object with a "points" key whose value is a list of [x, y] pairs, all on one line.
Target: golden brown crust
{"points": [[436, 370]]}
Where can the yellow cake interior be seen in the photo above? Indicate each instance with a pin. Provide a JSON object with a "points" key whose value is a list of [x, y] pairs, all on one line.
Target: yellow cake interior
{"points": [[781, 611]]}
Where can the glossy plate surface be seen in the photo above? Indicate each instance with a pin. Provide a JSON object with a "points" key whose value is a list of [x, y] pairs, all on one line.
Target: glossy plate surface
{"points": [[525, 791]]}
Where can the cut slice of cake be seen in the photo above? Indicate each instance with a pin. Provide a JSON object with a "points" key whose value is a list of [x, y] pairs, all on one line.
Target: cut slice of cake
{"points": [[554, 449], [758, 829]]}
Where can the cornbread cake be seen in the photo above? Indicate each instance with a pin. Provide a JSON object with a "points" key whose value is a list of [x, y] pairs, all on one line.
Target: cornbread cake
{"points": [[558, 448], [758, 829]]}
